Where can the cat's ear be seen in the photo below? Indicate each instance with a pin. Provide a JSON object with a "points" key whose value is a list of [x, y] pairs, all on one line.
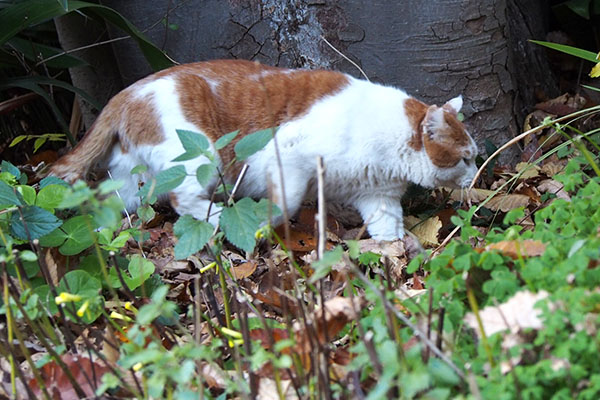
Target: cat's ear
{"points": [[454, 105], [434, 121]]}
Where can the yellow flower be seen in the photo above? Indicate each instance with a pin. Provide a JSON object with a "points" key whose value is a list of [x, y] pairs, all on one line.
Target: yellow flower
{"points": [[83, 308], [65, 297], [116, 315]]}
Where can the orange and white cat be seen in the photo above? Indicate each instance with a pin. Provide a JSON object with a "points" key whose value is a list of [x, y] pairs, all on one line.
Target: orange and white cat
{"points": [[374, 139]]}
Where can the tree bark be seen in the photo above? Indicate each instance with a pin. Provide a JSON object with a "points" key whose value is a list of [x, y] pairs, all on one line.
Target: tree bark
{"points": [[100, 78]]}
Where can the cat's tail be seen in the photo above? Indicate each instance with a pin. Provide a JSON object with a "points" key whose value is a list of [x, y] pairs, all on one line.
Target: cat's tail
{"points": [[94, 146]]}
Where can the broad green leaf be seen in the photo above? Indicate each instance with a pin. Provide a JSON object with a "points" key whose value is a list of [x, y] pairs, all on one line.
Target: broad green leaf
{"points": [[264, 207], [192, 234], [225, 140], [81, 283], [36, 221], [323, 266], [8, 197], [17, 140], [574, 51], [252, 143], [205, 173], [50, 196], [166, 181], [240, 224], [24, 14], [80, 235], [139, 269], [194, 144]]}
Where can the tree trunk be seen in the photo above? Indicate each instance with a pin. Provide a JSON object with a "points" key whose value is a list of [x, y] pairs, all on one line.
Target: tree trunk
{"points": [[100, 78], [434, 50]]}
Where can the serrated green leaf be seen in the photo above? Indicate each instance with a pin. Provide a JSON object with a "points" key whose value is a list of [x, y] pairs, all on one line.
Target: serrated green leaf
{"points": [[79, 233], [192, 234], [166, 181], [8, 196], [225, 140], [205, 173], [252, 143], [52, 180], [240, 224], [194, 144], [37, 221]]}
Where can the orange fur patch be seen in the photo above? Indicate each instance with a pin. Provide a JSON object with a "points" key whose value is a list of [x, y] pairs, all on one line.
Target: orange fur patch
{"points": [[252, 98], [415, 111], [448, 148], [141, 123]]}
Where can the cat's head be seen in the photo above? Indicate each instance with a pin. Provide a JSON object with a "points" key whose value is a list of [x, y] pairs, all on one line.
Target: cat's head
{"points": [[449, 147]]}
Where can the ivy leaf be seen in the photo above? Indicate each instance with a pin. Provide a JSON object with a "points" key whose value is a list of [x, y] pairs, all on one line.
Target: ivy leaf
{"points": [[252, 143], [240, 223], [192, 234], [195, 144], [79, 234], [38, 221], [139, 269]]}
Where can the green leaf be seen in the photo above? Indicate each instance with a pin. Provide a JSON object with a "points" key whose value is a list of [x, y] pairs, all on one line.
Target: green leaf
{"points": [[166, 181], [225, 140], [192, 235], [8, 197], [19, 16], [37, 221], [139, 269], [139, 169], [109, 186], [52, 180], [205, 173], [50, 196], [193, 143], [252, 143], [323, 266], [574, 51], [28, 193], [79, 233], [240, 224], [81, 283], [17, 140]]}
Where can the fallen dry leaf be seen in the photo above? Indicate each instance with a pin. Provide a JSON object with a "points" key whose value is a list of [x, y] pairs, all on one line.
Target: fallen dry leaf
{"points": [[87, 374], [515, 314], [527, 170], [507, 202], [244, 270], [516, 248], [552, 168], [554, 187], [427, 231]]}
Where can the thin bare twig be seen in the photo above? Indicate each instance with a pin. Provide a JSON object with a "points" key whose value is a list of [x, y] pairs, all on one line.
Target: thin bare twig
{"points": [[322, 212], [345, 58]]}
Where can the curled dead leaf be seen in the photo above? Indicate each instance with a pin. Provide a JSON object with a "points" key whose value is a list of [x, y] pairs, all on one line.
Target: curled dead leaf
{"points": [[554, 187], [507, 202], [244, 270], [516, 248], [527, 170]]}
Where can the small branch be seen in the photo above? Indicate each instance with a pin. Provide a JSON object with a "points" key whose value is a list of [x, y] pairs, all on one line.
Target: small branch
{"points": [[346, 58], [322, 211]]}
